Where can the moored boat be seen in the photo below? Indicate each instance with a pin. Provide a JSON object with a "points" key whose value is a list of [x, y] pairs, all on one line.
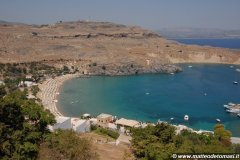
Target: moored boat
{"points": [[186, 117], [218, 120], [235, 82], [231, 104], [233, 110], [227, 106]]}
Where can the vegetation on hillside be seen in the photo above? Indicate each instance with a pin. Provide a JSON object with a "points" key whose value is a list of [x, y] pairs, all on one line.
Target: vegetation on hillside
{"points": [[23, 130], [160, 142], [22, 126], [66, 145], [104, 131]]}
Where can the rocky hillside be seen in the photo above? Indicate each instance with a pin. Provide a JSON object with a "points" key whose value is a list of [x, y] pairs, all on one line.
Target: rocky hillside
{"points": [[102, 48]]}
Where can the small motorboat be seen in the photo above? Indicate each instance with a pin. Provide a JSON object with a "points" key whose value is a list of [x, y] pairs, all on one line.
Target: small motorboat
{"points": [[235, 82], [218, 120], [227, 106], [231, 104], [172, 73], [238, 69], [231, 66], [186, 117], [171, 118], [238, 115], [233, 110], [189, 66]]}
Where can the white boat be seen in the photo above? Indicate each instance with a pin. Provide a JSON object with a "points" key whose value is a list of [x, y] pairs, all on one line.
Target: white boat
{"points": [[227, 106], [172, 118], [186, 117], [233, 110], [218, 120], [235, 82], [189, 66], [172, 73], [238, 69], [238, 114], [231, 66], [231, 104]]}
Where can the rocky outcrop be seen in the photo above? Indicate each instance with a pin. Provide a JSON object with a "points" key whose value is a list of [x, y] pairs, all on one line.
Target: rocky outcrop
{"points": [[131, 69]]}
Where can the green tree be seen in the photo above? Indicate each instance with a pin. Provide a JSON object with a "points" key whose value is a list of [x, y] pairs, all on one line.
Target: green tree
{"points": [[22, 126]]}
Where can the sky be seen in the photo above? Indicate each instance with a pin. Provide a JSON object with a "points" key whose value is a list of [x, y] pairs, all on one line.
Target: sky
{"points": [[151, 14]]}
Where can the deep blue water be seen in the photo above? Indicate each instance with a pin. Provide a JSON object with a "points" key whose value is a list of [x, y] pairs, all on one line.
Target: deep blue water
{"points": [[159, 96], [224, 43]]}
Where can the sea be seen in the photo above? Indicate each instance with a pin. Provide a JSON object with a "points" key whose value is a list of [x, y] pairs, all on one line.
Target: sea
{"points": [[223, 43], [200, 92]]}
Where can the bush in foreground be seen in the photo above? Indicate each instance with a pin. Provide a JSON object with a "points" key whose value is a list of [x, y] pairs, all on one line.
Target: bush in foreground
{"points": [[160, 142], [66, 145]]}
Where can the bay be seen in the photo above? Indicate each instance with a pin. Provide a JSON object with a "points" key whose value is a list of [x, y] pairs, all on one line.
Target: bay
{"points": [[199, 91]]}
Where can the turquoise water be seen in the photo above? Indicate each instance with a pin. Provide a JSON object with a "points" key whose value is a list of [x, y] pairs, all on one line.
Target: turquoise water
{"points": [[224, 43], [159, 96]]}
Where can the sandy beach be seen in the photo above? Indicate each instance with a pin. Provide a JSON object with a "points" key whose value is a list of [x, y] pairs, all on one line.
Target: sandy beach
{"points": [[49, 90]]}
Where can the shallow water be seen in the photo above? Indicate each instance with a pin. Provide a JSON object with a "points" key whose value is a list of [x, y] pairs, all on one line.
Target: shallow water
{"points": [[199, 92]]}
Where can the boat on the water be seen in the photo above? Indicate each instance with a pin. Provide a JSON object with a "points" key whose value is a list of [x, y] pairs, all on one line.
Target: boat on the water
{"points": [[233, 110], [171, 118], [238, 115], [218, 120], [231, 104], [235, 82], [238, 69], [189, 66], [186, 117], [227, 106]]}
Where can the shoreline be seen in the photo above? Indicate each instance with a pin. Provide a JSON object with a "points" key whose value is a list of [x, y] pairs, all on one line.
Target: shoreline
{"points": [[49, 90]]}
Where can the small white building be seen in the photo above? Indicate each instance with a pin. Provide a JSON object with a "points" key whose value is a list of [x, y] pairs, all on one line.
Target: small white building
{"points": [[61, 123], [69, 123], [27, 84], [80, 125]]}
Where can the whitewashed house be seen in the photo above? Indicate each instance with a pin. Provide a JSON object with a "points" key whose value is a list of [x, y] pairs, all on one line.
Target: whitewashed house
{"points": [[61, 123], [80, 125], [69, 123], [27, 84]]}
